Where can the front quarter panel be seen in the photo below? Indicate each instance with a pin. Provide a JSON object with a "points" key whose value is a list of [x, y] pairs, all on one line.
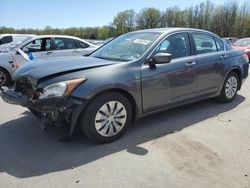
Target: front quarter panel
{"points": [[124, 77]]}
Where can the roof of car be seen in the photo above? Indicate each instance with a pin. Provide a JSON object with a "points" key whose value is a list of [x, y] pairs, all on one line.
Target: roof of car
{"points": [[6, 34], [61, 36], [244, 38], [172, 29]]}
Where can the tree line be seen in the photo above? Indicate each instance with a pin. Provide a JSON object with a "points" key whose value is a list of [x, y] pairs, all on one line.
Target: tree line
{"points": [[228, 19]]}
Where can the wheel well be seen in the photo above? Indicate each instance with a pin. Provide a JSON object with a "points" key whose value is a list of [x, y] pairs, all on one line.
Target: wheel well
{"points": [[127, 95], [2, 68], [5, 70], [237, 71]]}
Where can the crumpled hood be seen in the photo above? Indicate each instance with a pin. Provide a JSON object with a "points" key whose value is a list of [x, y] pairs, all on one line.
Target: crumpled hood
{"points": [[36, 69]]}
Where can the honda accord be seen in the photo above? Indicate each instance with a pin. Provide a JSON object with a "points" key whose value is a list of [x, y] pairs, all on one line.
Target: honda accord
{"points": [[136, 74]]}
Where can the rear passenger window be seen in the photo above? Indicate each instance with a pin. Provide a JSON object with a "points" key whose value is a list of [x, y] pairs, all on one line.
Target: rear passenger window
{"points": [[83, 45], [204, 43], [219, 44], [64, 44]]}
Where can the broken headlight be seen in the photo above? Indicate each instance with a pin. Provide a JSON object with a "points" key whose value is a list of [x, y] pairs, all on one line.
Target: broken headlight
{"points": [[59, 89]]}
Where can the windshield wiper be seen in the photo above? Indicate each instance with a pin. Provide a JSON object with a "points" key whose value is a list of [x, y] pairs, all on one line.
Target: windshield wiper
{"points": [[110, 58]]}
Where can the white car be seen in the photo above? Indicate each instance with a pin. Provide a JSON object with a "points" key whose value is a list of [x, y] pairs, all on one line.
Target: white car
{"points": [[43, 46], [8, 40]]}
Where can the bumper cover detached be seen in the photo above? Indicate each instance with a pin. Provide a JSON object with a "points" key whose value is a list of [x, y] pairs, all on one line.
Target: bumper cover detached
{"points": [[12, 97], [56, 110]]}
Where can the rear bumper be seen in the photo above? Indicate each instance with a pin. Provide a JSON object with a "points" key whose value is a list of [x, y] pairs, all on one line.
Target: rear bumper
{"points": [[56, 110]]}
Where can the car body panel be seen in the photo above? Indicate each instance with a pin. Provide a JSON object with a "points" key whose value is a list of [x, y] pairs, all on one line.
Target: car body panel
{"points": [[168, 83], [33, 69]]}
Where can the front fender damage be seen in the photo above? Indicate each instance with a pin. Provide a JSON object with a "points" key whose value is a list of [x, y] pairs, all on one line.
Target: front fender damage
{"points": [[58, 112]]}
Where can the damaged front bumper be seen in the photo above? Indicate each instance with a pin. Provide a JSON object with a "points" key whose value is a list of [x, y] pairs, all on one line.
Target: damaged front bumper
{"points": [[57, 111]]}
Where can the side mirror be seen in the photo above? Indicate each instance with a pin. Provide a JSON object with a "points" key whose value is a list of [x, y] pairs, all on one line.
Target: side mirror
{"points": [[1, 42], [160, 58]]}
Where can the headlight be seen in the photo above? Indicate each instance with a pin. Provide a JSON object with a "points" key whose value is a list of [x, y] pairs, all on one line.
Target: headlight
{"points": [[247, 50], [59, 89]]}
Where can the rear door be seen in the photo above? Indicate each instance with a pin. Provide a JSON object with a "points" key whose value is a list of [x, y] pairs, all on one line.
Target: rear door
{"points": [[211, 58], [83, 48], [64, 47]]}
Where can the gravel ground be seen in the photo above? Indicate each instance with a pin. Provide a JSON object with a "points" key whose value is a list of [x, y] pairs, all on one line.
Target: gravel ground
{"points": [[206, 144]]}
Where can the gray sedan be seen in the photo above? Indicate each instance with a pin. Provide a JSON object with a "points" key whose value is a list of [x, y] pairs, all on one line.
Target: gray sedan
{"points": [[132, 76]]}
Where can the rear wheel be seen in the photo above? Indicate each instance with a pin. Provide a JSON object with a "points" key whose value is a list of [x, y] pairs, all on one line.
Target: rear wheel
{"points": [[230, 88], [107, 117], [4, 77]]}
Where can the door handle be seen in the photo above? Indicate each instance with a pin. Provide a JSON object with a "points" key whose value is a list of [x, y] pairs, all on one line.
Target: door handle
{"points": [[46, 53], [191, 64], [77, 51], [224, 56]]}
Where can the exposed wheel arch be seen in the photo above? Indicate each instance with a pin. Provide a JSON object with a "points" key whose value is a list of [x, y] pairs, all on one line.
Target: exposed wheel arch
{"points": [[239, 74]]}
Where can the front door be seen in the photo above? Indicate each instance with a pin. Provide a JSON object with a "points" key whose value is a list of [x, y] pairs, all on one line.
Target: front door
{"points": [[168, 84], [39, 48]]}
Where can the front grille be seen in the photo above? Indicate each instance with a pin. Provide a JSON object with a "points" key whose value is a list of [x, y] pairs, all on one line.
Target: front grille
{"points": [[23, 85]]}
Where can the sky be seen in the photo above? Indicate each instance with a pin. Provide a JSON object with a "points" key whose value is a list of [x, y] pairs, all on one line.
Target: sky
{"points": [[76, 13]]}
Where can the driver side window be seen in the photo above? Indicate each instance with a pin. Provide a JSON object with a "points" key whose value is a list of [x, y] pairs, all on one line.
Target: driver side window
{"points": [[177, 45]]}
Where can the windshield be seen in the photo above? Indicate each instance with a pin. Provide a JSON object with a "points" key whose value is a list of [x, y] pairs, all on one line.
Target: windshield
{"points": [[127, 47], [243, 42]]}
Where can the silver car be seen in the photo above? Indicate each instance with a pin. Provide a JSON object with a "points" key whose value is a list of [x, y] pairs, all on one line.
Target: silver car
{"points": [[13, 39], [41, 47]]}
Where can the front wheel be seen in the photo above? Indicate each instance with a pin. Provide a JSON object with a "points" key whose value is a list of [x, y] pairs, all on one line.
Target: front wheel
{"points": [[230, 88], [107, 117], [4, 78]]}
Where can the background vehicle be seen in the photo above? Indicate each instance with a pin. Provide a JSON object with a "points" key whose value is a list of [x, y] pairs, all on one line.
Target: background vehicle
{"points": [[11, 40], [44, 46], [133, 75], [230, 40], [243, 44]]}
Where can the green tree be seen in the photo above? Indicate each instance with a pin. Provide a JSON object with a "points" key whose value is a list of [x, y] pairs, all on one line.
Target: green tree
{"points": [[149, 18], [124, 21]]}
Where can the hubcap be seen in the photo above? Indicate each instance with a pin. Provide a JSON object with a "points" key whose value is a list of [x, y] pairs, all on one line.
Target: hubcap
{"points": [[2, 78], [110, 118], [231, 87]]}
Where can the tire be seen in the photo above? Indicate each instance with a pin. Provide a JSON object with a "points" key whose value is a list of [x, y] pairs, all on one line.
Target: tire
{"points": [[107, 117], [4, 77], [230, 88]]}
